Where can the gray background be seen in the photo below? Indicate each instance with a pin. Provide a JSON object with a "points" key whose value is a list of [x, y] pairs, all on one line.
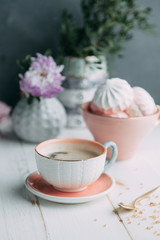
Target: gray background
{"points": [[29, 26]]}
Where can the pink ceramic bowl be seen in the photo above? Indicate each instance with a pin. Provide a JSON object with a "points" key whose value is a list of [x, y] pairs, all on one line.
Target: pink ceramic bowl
{"points": [[127, 133]]}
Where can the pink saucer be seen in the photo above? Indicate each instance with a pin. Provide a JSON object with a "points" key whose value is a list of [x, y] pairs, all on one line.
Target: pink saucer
{"points": [[38, 186]]}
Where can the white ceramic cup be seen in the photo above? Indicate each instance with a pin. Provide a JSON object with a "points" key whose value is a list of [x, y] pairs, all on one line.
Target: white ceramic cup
{"points": [[73, 175]]}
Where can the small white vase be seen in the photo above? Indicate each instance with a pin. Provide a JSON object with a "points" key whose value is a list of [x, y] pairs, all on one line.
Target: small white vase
{"points": [[40, 120]]}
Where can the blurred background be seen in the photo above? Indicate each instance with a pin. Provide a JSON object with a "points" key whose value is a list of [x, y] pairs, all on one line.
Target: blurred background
{"points": [[27, 27]]}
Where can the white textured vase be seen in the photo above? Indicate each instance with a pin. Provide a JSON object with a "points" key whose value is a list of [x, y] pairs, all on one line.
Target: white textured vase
{"points": [[83, 76], [40, 120]]}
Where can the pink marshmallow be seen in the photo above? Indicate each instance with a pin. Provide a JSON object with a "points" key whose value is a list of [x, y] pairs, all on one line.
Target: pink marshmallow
{"points": [[144, 101], [99, 111], [107, 113], [118, 115], [133, 111]]}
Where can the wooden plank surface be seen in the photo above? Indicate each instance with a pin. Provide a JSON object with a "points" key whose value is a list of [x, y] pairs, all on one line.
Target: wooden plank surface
{"points": [[19, 218], [135, 177], [23, 216]]}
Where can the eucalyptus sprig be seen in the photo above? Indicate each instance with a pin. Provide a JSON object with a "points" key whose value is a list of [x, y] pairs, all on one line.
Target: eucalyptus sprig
{"points": [[107, 25]]}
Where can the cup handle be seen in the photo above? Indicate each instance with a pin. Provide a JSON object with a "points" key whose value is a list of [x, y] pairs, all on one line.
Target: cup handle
{"points": [[109, 163], [158, 121]]}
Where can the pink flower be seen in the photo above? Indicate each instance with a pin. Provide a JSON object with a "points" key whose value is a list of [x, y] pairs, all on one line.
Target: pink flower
{"points": [[43, 79], [4, 111]]}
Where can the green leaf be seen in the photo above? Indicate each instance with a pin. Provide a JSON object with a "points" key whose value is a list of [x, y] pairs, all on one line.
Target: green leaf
{"points": [[38, 99], [48, 52], [30, 99]]}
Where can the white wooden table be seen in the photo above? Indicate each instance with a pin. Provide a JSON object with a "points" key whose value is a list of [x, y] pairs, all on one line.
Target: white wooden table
{"points": [[26, 217]]}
